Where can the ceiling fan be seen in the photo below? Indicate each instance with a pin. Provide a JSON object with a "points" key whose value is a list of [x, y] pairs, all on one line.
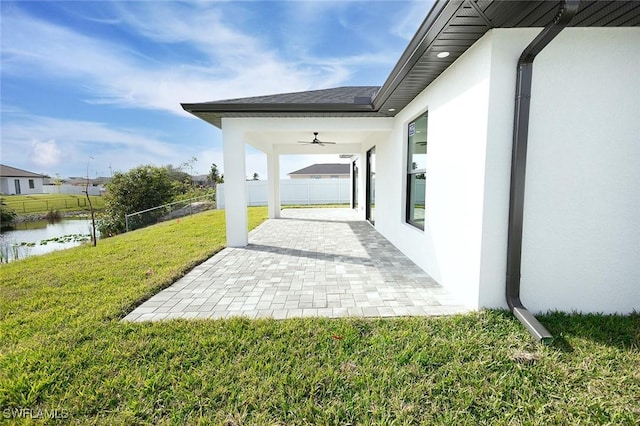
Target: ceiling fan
{"points": [[316, 141]]}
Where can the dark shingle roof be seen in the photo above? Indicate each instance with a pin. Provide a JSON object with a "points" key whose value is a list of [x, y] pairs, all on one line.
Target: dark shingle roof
{"points": [[7, 171], [348, 101], [324, 169], [337, 95]]}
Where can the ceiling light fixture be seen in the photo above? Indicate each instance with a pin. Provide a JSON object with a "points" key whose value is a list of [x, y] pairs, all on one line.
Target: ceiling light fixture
{"points": [[391, 109], [442, 55]]}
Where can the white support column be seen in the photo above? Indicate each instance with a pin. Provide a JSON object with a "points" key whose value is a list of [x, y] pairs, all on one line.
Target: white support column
{"points": [[273, 169], [235, 182]]}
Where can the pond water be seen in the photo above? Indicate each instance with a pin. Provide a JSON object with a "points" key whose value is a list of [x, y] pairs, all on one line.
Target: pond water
{"points": [[36, 238]]}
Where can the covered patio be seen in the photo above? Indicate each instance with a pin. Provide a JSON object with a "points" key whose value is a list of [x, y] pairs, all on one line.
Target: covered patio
{"points": [[307, 263], [277, 125]]}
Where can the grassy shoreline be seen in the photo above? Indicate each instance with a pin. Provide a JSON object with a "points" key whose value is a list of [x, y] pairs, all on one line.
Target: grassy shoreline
{"points": [[64, 348], [39, 204]]}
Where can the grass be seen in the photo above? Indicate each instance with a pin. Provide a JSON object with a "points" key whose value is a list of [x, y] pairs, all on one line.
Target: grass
{"points": [[315, 206], [43, 203], [63, 350]]}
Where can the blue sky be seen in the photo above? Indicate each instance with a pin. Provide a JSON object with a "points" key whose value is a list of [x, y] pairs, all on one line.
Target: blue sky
{"points": [[98, 84]]}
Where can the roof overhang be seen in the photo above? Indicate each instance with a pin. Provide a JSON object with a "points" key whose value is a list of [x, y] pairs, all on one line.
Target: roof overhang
{"points": [[214, 112], [454, 26], [450, 26], [335, 102]]}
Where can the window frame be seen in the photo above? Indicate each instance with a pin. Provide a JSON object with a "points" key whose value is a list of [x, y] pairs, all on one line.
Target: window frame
{"points": [[412, 172]]}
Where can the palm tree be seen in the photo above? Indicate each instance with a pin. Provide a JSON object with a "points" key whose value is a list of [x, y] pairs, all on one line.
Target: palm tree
{"points": [[214, 175]]}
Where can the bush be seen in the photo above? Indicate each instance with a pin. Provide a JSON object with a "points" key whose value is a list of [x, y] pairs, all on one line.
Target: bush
{"points": [[53, 215], [139, 189], [195, 192], [7, 214]]}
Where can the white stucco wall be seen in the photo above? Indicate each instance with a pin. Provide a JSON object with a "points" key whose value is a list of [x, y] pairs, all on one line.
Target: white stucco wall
{"points": [[506, 47], [581, 240], [8, 186], [449, 248], [581, 246]]}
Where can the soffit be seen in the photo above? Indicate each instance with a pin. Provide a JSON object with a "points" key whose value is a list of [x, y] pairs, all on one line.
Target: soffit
{"points": [[456, 25]]}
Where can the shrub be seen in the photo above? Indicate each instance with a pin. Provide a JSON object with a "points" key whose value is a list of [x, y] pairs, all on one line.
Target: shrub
{"points": [[139, 189], [7, 214], [53, 215]]}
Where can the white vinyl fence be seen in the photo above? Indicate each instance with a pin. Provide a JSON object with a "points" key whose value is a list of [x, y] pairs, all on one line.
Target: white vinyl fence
{"points": [[296, 191], [71, 189]]}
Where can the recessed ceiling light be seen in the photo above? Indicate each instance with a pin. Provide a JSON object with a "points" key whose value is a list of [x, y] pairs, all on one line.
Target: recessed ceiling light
{"points": [[391, 109], [442, 55]]}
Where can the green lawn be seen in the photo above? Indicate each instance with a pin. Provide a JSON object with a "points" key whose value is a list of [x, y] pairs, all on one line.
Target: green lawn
{"points": [[64, 352], [42, 203], [315, 206]]}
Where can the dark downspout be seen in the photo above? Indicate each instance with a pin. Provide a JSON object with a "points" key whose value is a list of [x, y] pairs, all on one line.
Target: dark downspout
{"points": [[566, 12]]}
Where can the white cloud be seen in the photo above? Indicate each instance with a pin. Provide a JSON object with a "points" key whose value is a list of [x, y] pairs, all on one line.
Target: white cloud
{"points": [[68, 144], [411, 19], [228, 62], [45, 154], [210, 56], [206, 158]]}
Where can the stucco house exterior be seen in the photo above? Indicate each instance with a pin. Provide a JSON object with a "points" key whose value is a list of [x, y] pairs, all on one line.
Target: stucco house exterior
{"points": [[486, 94], [15, 181], [323, 171]]}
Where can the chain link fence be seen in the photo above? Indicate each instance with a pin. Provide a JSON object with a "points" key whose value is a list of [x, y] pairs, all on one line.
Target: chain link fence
{"points": [[169, 211], [44, 204]]}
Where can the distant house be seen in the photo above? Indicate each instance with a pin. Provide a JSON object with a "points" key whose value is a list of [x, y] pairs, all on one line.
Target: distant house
{"points": [[323, 171], [15, 181], [201, 180]]}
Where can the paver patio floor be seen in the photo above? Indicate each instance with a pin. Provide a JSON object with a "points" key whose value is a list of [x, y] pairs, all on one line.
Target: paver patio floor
{"points": [[309, 263]]}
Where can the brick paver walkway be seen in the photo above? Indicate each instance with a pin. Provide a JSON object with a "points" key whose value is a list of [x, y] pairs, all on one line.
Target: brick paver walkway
{"points": [[309, 263]]}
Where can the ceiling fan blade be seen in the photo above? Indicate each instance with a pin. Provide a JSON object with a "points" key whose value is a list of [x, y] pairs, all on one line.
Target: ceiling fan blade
{"points": [[316, 141]]}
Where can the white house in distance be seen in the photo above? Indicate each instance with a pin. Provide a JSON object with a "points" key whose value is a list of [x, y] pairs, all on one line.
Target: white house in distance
{"points": [[15, 181], [486, 94], [323, 171]]}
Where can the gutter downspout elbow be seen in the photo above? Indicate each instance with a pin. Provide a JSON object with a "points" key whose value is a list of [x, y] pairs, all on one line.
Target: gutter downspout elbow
{"points": [[566, 12]]}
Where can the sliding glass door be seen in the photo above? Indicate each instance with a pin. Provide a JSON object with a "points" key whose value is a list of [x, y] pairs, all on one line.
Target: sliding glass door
{"points": [[354, 185], [371, 185]]}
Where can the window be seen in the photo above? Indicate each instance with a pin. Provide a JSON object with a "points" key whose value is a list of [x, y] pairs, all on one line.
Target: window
{"points": [[417, 171], [32, 184]]}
